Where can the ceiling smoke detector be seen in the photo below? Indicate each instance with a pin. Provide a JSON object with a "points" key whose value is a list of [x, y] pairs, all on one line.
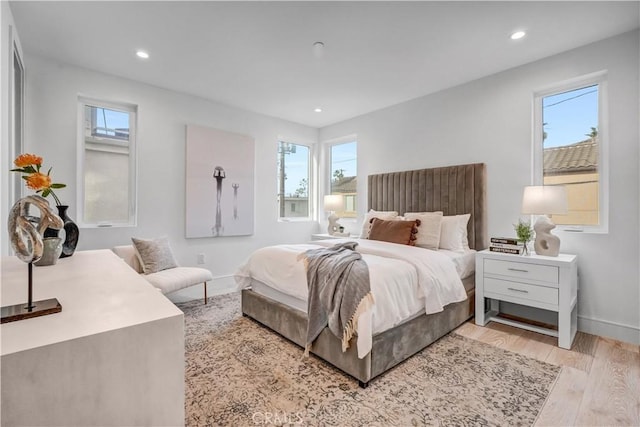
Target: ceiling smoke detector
{"points": [[318, 49]]}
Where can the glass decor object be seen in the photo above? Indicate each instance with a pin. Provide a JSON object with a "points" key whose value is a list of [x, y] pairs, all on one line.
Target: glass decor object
{"points": [[51, 250], [525, 234]]}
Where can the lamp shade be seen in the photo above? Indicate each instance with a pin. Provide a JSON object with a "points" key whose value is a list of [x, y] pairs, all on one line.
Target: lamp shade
{"points": [[333, 202], [544, 200]]}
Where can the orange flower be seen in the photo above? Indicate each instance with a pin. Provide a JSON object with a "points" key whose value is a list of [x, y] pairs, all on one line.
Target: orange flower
{"points": [[38, 181], [29, 165], [24, 160]]}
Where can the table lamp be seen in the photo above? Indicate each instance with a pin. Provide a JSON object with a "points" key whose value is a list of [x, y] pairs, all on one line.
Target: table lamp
{"points": [[333, 203], [545, 200]]}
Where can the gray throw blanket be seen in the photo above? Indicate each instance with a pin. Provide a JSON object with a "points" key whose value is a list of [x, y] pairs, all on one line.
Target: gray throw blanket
{"points": [[339, 291]]}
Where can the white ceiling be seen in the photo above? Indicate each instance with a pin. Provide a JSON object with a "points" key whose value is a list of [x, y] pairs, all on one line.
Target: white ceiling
{"points": [[258, 55]]}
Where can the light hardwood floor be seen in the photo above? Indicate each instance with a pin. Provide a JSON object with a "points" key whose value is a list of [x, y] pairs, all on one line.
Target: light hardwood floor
{"points": [[599, 384]]}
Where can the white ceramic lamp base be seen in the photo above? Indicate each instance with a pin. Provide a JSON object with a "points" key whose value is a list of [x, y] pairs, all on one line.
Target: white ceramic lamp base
{"points": [[546, 243], [333, 226]]}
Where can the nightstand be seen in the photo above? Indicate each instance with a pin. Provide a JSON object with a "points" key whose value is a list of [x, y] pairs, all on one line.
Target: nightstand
{"points": [[325, 236], [550, 283]]}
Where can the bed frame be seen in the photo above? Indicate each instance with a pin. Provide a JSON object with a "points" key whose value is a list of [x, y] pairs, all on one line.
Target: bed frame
{"points": [[451, 189]]}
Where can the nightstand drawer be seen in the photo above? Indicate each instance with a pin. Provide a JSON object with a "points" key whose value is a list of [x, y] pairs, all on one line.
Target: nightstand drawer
{"points": [[520, 270], [522, 290]]}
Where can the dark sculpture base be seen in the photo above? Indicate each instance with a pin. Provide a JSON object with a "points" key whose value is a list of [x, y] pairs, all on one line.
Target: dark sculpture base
{"points": [[12, 313]]}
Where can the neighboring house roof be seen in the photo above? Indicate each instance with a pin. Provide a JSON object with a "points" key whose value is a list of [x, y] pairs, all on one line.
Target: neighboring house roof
{"points": [[579, 157], [346, 184]]}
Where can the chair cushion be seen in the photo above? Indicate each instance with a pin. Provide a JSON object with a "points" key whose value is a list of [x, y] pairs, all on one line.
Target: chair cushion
{"points": [[177, 278], [128, 254]]}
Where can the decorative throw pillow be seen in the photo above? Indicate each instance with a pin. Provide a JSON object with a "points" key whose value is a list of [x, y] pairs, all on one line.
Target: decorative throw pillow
{"points": [[402, 232], [429, 231], [154, 254], [366, 225], [453, 235]]}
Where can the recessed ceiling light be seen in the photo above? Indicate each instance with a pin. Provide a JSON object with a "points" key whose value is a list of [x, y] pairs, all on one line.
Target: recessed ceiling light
{"points": [[518, 35], [318, 110], [142, 54]]}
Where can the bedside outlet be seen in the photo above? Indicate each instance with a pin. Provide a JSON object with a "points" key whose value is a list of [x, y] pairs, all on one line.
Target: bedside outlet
{"points": [[200, 259]]}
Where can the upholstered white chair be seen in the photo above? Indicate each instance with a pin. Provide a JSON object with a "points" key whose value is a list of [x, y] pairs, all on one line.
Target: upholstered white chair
{"points": [[169, 280]]}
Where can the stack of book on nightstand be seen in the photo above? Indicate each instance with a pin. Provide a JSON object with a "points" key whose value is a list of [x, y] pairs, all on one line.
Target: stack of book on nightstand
{"points": [[506, 245]]}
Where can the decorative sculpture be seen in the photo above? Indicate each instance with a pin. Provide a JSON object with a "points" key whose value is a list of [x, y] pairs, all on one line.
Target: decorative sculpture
{"points": [[26, 239], [546, 243], [25, 233]]}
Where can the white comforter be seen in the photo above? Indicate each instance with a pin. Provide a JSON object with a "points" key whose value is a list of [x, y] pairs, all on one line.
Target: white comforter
{"points": [[405, 281]]}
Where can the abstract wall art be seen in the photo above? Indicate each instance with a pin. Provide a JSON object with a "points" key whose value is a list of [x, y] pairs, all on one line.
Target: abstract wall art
{"points": [[219, 181]]}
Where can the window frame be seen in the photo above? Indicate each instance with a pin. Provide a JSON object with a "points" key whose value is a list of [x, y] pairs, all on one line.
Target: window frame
{"points": [[16, 112], [328, 145], [132, 110], [311, 181], [600, 79]]}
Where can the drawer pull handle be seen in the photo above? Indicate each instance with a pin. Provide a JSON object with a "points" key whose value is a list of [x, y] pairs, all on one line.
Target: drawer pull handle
{"points": [[518, 269], [518, 290]]}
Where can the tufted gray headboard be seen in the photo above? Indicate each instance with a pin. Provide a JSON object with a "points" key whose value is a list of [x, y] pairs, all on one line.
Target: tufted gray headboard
{"points": [[454, 190]]}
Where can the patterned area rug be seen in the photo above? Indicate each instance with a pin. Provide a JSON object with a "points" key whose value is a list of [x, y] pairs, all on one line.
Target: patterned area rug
{"points": [[239, 373]]}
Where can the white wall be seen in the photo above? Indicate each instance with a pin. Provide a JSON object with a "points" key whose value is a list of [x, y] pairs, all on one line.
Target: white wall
{"points": [[52, 94], [490, 120]]}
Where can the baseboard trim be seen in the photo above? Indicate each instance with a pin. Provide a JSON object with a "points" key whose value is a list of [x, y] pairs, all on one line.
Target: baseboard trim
{"points": [[607, 328], [223, 281]]}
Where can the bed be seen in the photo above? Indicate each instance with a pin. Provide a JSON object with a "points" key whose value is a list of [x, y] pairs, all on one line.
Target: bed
{"points": [[454, 190]]}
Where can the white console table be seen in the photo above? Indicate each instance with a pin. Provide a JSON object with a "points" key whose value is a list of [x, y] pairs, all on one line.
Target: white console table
{"points": [[113, 356], [549, 283]]}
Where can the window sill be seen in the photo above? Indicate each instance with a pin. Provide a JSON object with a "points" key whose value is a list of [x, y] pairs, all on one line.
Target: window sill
{"points": [[294, 219], [582, 230], [106, 225]]}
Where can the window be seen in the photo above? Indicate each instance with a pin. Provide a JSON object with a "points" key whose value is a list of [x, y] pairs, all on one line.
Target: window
{"points": [[107, 164], [344, 175], [570, 149], [17, 120], [293, 180]]}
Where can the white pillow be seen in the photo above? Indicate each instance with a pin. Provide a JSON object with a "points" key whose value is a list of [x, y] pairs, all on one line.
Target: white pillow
{"points": [[453, 235], [430, 227], [154, 254], [366, 225]]}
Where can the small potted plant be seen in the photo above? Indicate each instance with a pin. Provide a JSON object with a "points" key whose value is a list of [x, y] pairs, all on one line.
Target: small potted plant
{"points": [[524, 233]]}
